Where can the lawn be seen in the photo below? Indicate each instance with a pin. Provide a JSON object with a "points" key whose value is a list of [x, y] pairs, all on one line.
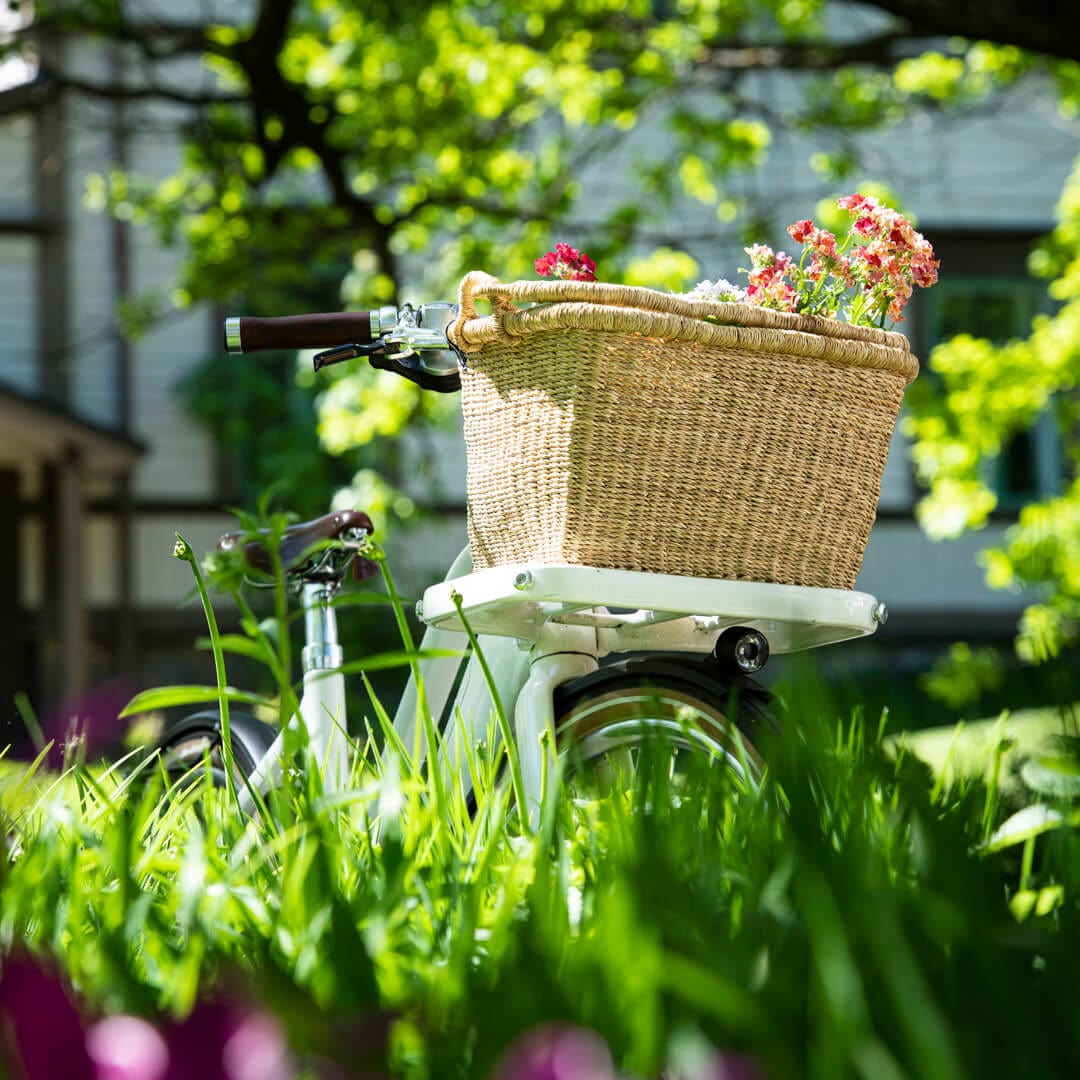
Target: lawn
{"points": [[848, 918]]}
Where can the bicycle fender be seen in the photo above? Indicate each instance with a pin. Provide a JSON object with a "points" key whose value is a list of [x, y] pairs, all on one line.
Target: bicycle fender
{"points": [[699, 672]]}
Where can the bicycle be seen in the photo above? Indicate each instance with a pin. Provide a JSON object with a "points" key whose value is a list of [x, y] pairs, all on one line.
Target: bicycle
{"points": [[587, 664]]}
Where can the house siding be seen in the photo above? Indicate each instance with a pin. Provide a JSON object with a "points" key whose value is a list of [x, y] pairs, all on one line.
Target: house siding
{"points": [[18, 259]]}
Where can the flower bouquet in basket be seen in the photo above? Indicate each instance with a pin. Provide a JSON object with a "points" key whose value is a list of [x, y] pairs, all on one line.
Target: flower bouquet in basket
{"points": [[729, 432]]}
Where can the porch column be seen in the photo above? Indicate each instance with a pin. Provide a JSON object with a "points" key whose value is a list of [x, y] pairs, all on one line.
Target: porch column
{"points": [[10, 644], [70, 607]]}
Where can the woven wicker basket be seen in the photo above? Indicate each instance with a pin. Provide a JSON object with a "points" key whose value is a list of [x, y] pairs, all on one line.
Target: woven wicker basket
{"points": [[614, 426]]}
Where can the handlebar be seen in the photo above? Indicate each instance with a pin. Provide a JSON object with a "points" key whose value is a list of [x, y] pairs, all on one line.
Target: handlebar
{"points": [[411, 342]]}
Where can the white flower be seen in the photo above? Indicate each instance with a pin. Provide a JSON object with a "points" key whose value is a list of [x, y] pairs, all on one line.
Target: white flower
{"points": [[718, 290]]}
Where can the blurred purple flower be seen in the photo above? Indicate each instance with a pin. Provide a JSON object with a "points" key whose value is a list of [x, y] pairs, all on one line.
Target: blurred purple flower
{"points": [[42, 1037], [556, 1052], [225, 1040], [720, 1066], [127, 1048], [93, 719], [257, 1050], [41, 1032]]}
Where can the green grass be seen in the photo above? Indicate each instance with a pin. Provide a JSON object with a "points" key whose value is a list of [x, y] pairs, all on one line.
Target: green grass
{"points": [[981, 748], [858, 916], [841, 922]]}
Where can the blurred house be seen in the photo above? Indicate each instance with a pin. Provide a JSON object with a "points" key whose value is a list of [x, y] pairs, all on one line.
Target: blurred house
{"points": [[99, 466]]}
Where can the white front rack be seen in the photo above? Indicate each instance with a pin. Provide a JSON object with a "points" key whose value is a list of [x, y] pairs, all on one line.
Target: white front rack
{"points": [[627, 610]]}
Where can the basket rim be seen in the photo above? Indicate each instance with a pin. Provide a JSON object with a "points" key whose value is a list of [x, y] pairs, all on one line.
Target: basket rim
{"points": [[479, 285], [648, 313]]}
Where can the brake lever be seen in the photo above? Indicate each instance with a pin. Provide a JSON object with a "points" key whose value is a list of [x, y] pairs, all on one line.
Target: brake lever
{"points": [[341, 353], [406, 365]]}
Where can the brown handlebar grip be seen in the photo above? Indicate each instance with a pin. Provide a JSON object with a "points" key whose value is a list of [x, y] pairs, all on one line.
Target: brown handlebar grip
{"points": [[319, 331]]}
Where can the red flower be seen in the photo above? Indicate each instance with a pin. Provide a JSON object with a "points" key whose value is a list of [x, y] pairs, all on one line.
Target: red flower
{"points": [[566, 262]]}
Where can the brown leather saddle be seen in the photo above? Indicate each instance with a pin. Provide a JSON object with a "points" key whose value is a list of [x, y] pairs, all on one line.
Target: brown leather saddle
{"points": [[298, 541]]}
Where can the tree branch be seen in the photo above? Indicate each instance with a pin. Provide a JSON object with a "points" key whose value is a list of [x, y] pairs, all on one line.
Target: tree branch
{"points": [[155, 40], [1042, 26], [58, 80], [880, 50]]}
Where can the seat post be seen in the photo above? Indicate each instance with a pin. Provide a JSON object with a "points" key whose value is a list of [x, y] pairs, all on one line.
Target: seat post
{"points": [[322, 651], [322, 704]]}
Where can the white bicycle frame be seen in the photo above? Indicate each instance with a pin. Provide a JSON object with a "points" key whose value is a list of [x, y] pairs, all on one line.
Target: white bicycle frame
{"points": [[538, 627]]}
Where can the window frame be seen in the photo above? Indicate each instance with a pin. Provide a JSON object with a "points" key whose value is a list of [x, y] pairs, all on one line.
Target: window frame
{"points": [[1046, 443]]}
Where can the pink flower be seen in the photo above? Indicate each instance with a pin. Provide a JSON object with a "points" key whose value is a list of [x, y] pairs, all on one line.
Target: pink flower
{"points": [[127, 1048], [869, 272], [761, 256], [768, 287], [924, 271], [566, 262], [856, 202], [801, 231], [872, 259], [824, 242]]}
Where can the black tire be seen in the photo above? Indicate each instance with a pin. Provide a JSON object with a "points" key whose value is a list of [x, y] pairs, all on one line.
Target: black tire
{"points": [[604, 723], [188, 745]]}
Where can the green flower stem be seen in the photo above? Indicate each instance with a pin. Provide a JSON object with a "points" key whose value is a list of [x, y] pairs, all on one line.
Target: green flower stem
{"points": [[516, 779], [183, 550], [373, 551], [289, 705]]}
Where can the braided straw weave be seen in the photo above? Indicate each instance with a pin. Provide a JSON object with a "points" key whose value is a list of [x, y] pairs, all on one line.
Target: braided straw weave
{"points": [[613, 426]]}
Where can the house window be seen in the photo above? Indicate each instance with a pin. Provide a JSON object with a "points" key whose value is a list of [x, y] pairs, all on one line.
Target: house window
{"points": [[1000, 308]]}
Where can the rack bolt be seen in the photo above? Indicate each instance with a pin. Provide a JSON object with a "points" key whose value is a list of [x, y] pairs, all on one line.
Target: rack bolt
{"points": [[420, 610], [879, 613], [523, 580]]}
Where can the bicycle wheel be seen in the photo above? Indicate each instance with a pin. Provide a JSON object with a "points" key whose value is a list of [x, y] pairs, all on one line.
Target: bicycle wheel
{"points": [[603, 729], [188, 746]]}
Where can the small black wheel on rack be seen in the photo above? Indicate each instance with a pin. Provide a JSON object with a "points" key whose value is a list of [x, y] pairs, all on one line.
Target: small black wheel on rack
{"points": [[740, 650]]}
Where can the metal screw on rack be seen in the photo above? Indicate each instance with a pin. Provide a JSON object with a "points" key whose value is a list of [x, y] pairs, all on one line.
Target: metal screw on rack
{"points": [[523, 580], [879, 613], [420, 610]]}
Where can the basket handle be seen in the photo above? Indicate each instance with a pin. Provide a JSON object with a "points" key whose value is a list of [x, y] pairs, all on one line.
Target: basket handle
{"points": [[476, 284]]}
